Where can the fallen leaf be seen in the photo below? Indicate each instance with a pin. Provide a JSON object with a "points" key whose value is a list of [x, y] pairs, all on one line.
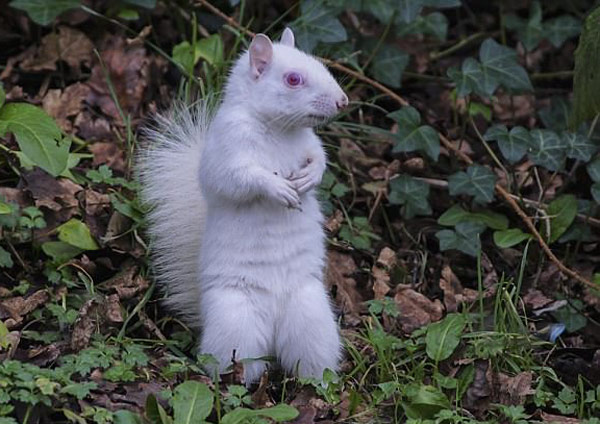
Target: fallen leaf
{"points": [[66, 44], [511, 390], [416, 310], [108, 153], [91, 316], [18, 307], [535, 299], [64, 104], [340, 269], [56, 194]]}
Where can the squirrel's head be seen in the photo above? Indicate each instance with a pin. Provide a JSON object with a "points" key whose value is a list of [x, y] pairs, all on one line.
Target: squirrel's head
{"points": [[287, 87]]}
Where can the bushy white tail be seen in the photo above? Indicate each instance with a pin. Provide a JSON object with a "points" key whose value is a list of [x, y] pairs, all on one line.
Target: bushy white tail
{"points": [[168, 169]]}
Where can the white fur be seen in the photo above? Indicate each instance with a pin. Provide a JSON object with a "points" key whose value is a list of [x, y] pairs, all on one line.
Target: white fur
{"points": [[245, 250]]}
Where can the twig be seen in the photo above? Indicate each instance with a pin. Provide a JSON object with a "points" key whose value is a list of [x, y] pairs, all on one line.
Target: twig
{"points": [[462, 156]]}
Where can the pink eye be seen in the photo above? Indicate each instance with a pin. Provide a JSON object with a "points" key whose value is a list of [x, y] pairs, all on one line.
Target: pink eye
{"points": [[294, 79]]}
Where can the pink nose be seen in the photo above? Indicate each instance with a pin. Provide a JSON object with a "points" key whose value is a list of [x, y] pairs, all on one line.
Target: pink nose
{"points": [[342, 102]]}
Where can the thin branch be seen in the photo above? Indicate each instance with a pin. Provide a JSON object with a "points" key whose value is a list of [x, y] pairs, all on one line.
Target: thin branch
{"points": [[462, 156]]}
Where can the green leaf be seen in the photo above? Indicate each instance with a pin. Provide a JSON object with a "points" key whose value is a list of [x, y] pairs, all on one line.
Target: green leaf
{"points": [[388, 65], [456, 214], [562, 212], [192, 402], [595, 190], [79, 390], [2, 95], [127, 417], [5, 259], [60, 251], [435, 24], [530, 31], [571, 317], [412, 194], [38, 136], [493, 220], [500, 66], [547, 149], [277, 413], [424, 402], [148, 4], [441, 4], [76, 233], [210, 49], [579, 146], [465, 238], [469, 78], [476, 109], [407, 11], [317, 23], [383, 10], [155, 412], [586, 84], [411, 136], [478, 182], [557, 114], [561, 28], [443, 337], [43, 12], [129, 14], [513, 144], [453, 216], [510, 237], [593, 170], [5, 208]]}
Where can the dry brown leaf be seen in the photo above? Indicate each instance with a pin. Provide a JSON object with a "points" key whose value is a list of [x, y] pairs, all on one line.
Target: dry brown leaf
{"points": [[67, 44], [334, 222], [113, 309], [17, 307], [558, 419], [91, 316], [96, 203], [454, 293], [535, 299], [108, 153], [62, 105], [128, 71], [477, 397], [416, 310], [339, 274], [380, 272], [511, 390], [56, 194]]}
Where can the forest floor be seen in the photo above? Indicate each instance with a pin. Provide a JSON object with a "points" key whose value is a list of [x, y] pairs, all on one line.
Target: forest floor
{"points": [[442, 321]]}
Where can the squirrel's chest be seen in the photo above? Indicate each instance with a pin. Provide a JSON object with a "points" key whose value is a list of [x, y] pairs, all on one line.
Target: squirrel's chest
{"points": [[286, 155]]}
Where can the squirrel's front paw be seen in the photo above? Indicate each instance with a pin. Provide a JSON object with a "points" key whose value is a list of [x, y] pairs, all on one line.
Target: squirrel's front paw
{"points": [[306, 178], [283, 191]]}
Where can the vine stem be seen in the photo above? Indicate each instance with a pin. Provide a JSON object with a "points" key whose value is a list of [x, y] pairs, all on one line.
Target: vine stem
{"points": [[444, 140]]}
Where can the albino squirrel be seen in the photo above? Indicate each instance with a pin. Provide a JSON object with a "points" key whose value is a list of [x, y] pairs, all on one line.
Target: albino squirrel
{"points": [[238, 238]]}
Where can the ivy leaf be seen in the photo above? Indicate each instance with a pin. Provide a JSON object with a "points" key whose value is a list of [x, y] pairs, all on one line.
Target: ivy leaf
{"points": [[388, 65], [435, 24], [478, 182], [579, 146], [318, 23], [530, 31], [192, 402], [412, 194], [5, 259], [561, 28], [586, 84], [593, 170], [547, 149], [441, 4], [562, 212], [38, 136], [556, 115], [148, 4], [513, 144], [500, 66], [412, 136], [456, 214], [277, 413], [468, 79], [408, 10], [510, 237], [43, 12], [464, 237], [383, 10], [76, 233]]}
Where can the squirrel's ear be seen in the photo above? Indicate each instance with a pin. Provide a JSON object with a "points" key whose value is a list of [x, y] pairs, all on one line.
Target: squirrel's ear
{"points": [[261, 54], [287, 38]]}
